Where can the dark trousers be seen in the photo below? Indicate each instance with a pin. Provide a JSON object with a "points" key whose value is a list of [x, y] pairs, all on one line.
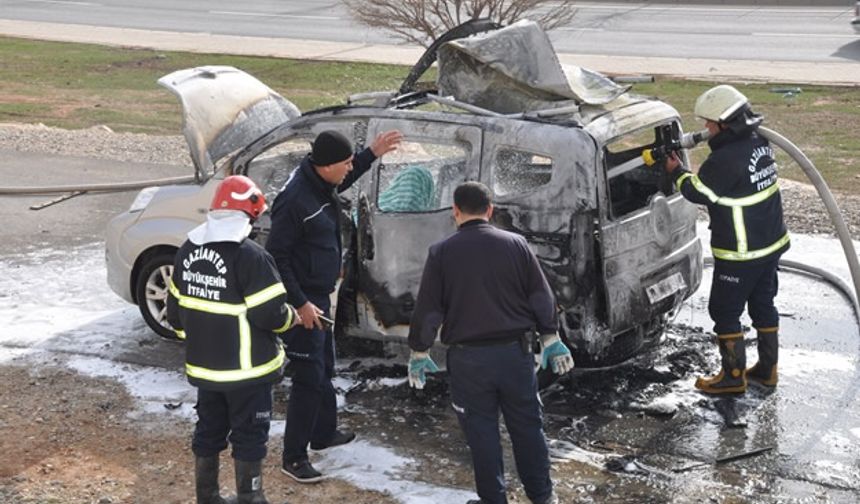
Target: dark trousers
{"points": [[241, 415], [485, 379], [312, 409], [736, 286]]}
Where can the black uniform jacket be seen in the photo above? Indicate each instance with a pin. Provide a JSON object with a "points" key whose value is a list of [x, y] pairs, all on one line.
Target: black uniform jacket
{"points": [[739, 184], [227, 301], [305, 233], [481, 284]]}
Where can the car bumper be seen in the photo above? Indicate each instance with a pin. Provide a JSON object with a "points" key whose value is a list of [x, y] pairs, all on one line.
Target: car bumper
{"points": [[118, 261]]}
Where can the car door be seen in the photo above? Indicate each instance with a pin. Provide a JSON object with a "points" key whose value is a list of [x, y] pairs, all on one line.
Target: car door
{"points": [[403, 208], [651, 257], [543, 178]]}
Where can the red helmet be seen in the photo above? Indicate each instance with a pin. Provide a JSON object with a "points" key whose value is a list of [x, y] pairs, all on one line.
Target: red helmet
{"points": [[238, 192]]}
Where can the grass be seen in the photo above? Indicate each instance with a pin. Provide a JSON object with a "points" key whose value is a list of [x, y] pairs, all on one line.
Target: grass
{"points": [[80, 85], [823, 121]]}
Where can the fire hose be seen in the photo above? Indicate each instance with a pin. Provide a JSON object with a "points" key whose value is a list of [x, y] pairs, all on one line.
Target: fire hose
{"points": [[689, 140], [73, 190], [110, 187], [848, 397], [832, 210]]}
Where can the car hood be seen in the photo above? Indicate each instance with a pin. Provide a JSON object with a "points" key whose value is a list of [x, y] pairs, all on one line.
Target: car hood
{"points": [[224, 109]]}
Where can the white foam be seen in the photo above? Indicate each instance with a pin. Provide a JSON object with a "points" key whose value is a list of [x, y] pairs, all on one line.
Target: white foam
{"points": [[153, 388], [377, 468], [805, 362]]}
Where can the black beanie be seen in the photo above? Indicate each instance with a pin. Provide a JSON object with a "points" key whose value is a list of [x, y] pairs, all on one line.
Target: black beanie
{"points": [[330, 147]]}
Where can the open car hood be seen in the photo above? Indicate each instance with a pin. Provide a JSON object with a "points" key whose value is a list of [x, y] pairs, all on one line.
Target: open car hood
{"points": [[224, 109], [515, 69]]}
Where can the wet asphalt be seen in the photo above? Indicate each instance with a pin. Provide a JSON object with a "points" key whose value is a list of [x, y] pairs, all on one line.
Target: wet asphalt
{"points": [[637, 432]]}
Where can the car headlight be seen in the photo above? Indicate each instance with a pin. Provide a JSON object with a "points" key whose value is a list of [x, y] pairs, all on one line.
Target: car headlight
{"points": [[143, 198]]}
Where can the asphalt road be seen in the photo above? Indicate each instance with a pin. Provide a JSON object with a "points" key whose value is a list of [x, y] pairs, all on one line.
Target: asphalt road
{"points": [[752, 32], [76, 221]]}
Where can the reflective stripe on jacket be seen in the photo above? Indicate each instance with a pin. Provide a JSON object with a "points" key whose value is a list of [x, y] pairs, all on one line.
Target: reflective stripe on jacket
{"points": [[739, 185], [228, 300]]}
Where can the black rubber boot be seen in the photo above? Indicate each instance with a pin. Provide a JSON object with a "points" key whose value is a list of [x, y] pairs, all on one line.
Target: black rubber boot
{"points": [[764, 371], [249, 482], [206, 481], [730, 379]]}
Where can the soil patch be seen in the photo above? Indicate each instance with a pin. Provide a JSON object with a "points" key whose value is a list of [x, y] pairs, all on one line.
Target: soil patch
{"points": [[69, 439]]}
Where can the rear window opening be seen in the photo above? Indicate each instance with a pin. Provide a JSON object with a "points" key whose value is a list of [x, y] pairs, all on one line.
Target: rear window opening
{"points": [[631, 182]]}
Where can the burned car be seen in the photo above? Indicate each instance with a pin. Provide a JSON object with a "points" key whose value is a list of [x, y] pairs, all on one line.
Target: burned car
{"points": [[855, 21], [561, 148]]}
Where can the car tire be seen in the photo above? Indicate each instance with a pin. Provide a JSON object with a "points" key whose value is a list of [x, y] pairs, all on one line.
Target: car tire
{"points": [[151, 293]]}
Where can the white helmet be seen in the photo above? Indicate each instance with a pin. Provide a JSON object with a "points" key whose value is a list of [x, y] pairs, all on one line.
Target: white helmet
{"points": [[719, 103]]}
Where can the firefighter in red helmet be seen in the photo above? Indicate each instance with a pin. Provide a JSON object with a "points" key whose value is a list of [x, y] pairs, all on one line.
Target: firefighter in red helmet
{"points": [[228, 303]]}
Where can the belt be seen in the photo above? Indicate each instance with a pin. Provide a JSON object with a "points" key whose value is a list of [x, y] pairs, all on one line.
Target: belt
{"points": [[504, 340]]}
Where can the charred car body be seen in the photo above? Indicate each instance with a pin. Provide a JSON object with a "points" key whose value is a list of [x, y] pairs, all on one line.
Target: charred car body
{"points": [[559, 146]]}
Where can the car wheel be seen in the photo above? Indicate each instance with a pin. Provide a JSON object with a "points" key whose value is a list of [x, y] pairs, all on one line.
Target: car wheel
{"points": [[151, 293]]}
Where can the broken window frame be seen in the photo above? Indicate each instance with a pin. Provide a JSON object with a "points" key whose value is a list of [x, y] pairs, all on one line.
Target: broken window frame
{"points": [[655, 179], [496, 176], [441, 202]]}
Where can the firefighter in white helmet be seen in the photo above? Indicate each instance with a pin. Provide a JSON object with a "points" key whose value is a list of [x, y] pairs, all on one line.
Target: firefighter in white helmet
{"points": [[739, 185], [228, 303]]}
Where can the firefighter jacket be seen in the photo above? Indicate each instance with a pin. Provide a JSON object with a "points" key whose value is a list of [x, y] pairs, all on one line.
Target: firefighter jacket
{"points": [[305, 237], [227, 301], [738, 183]]}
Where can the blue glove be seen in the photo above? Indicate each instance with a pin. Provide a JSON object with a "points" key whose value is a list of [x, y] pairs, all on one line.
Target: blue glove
{"points": [[554, 351], [420, 363]]}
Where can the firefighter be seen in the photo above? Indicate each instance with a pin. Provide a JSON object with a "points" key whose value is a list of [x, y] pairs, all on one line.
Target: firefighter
{"points": [[739, 185], [228, 303]]}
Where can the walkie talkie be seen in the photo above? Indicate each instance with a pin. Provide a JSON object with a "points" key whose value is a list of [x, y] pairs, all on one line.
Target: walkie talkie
{"points": [[327, 323]]}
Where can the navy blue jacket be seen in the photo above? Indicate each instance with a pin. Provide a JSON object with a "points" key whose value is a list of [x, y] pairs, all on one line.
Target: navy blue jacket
{"points": [[739, 185], [305, 234], [481, 284]]}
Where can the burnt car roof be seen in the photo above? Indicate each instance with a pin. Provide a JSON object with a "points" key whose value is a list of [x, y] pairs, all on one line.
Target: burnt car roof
{"points": [[510, 72]]}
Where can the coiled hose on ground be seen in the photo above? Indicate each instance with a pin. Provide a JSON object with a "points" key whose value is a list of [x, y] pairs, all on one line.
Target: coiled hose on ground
{"points": [[835, 217]]}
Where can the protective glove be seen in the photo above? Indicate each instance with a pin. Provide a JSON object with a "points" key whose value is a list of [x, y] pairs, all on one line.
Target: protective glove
{"points": [[554, 351], [420, 363]]}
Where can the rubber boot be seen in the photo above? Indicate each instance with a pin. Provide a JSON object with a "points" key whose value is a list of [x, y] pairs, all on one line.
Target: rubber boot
{"points": [[206, 481], [764, 371], [730, 379], [249, 482]]}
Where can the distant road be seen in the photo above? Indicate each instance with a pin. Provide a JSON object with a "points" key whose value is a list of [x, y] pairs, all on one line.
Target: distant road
{"points": [[814, 34], [803, 44]]}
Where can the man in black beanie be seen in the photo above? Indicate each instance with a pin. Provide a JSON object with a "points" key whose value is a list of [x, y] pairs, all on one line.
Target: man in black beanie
{"points": [[305, 242]]}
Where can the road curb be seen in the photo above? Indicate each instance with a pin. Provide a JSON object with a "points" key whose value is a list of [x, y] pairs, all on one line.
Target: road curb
{"points": [[763, 3]]}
